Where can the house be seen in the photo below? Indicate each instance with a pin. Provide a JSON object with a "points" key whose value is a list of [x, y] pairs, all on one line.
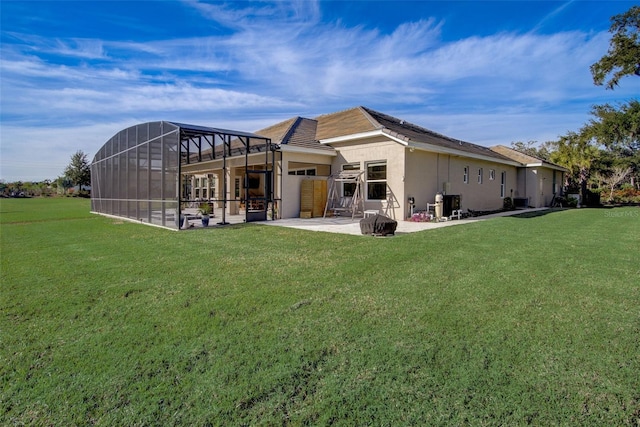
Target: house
{"points": [[400, 166], [401, 160], [538, 180]]}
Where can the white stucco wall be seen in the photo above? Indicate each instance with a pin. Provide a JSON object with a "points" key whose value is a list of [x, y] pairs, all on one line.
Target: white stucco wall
{"points": [[429, 173], [289, 206], [375, 150]]}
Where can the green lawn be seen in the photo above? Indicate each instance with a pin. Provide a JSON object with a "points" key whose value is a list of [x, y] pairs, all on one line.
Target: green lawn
{"points": [[510, 321]]}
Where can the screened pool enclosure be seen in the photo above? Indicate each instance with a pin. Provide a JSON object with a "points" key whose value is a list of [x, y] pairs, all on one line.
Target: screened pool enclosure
{"points": [[165, 173]]}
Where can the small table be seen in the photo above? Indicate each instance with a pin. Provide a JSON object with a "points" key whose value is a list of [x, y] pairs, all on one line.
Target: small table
{"points": [[370, 212]]}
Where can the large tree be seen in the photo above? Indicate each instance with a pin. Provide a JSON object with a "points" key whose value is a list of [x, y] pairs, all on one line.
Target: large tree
{"points": [[576, 152], [623, 57], [79, 170], [617, 128]]}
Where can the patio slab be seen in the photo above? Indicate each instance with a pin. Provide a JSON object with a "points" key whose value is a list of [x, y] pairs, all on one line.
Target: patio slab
{"points": [[347, 225]]}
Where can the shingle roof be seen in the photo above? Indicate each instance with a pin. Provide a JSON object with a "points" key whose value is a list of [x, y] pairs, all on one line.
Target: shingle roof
{"points": [[296, 132], [402, 129], [417, 133], [306, 133], [521, 157], [278, 131], [347, 122]]}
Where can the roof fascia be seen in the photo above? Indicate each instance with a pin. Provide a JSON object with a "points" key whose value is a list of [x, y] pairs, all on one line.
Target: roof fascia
{"points": [[352, 137], [546, 165], [286, 148]]}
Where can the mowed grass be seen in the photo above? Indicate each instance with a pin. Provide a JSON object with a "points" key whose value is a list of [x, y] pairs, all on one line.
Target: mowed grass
{"points": [[530, 320]]}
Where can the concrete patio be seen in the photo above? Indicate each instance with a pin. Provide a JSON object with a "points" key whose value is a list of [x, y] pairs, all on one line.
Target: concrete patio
{"points": [[346, 225]]}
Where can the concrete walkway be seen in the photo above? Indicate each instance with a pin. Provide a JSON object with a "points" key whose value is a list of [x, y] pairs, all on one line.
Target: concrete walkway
{"points": [[346, 225]]}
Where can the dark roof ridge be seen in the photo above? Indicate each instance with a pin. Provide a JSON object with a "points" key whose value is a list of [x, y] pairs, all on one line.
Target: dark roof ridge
{"points": [[291, 130], [407, 124]]}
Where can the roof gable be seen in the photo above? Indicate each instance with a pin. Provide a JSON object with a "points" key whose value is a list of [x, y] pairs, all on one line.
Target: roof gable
{"points": [[347, 122]]}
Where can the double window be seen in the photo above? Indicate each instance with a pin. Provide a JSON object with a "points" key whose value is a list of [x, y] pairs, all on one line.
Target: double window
{"points": [[376, 181]]}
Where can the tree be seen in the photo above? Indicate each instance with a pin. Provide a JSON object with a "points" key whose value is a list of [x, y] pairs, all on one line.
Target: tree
{"points": [[623, 57], [576, 152], [617, 128], [78, 170], [617, 175], [532, 148]]}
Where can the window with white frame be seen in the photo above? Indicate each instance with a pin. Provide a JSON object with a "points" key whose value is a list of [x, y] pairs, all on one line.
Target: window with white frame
{"points": [[348, 188], [480, 173], [376, 180], [503, 184], [492, 174], [465, 176]]}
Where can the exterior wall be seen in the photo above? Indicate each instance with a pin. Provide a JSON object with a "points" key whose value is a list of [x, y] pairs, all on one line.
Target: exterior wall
{"points": [[289, 206], [373, 150], [539, 186], [424, 177], [421, 174], [487, 194], [429, 173]]}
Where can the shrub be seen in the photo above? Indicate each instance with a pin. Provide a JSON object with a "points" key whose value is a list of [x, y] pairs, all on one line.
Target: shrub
{"points": [[627, 194]]}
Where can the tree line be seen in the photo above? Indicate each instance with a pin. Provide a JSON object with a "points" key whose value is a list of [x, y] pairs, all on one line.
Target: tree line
{"points": [[604, 154], [75, 180]]}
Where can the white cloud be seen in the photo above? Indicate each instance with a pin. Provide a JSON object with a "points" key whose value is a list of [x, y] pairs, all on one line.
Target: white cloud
{"points": [[276, 60]]}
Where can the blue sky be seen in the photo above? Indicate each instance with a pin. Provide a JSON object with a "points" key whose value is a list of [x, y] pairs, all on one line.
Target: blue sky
{"points": [[75, 73]]}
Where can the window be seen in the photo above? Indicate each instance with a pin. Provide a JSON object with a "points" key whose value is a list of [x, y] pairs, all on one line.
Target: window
{"points": [[308, 172], [480, 176], [503, 183], [348, 188], [377, 181], [465, 177], [492, 174]]}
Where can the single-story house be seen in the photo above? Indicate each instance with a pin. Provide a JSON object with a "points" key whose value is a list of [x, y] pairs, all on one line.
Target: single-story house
{"points": [[399, 168]]}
